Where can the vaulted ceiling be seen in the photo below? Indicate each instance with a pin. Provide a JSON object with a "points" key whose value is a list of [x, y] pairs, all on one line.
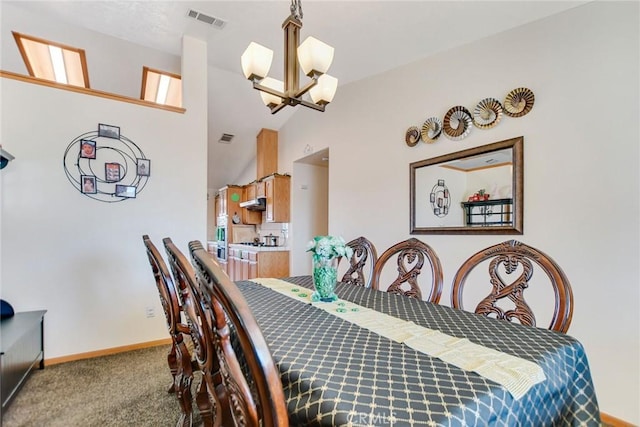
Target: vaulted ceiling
{"points": [[369, 37]]}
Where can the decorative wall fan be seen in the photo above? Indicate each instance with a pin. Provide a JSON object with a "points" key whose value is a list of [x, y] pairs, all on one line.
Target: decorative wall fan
{"points": [[457, 123], [431, 129], [487, 113], [412, 136], [518, 102]]}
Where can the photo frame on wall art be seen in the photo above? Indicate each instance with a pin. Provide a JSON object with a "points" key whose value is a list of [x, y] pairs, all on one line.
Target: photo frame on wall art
{"points": [[112, 172], [128, 191], [87, 149], [88, 184], [108, 131], [143, 167]]}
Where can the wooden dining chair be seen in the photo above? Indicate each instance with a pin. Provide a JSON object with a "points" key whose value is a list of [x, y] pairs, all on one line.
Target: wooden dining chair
{"points": [[410, 256], [256, 390], [179, 357], [511, 257], [211, 397], [364, 256]]}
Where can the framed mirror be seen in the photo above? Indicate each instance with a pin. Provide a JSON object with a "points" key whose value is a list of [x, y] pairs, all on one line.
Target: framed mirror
{"points": [[474, 191]]}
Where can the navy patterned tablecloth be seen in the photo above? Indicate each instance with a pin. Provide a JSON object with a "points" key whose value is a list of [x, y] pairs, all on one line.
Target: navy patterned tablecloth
{"points": [[336, 373]]}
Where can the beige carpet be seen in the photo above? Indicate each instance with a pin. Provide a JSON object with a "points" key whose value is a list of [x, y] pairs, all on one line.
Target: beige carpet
{"points": [[126, 389]]}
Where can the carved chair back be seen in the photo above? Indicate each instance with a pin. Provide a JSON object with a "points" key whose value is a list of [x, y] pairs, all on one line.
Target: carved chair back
{"points": [[411, 256], [211, 399], [519, 259], [364, 256], [249, 373], [179, 357]]}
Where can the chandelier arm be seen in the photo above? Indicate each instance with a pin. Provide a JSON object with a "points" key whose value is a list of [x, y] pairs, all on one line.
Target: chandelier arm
{"points": [[302, 91], [268, 90], [312, 105], [278, 107]]}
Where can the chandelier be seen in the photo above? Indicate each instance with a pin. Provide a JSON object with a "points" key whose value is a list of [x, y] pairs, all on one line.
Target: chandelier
{"points": [[312, 56]]}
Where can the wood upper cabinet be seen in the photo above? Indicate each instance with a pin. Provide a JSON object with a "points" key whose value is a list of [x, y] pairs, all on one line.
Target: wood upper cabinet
{"points": [[278, 193], [222, 201], [267, 152], [217, 207], [249, 216], [260, 189], [230, 197]]}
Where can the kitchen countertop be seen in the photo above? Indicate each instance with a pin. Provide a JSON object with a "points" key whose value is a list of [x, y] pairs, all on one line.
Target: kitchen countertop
{"points": [[259, 248]]}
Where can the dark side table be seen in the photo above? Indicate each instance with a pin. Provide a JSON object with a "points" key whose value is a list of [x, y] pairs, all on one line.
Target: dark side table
{"points": [[22, 348]]}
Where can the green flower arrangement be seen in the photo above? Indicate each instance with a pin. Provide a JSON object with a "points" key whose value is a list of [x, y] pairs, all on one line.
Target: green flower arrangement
{"points": [[326, 251], [328, 247]]}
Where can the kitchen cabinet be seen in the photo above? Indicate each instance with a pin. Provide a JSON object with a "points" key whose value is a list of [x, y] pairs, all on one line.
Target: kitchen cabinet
{"points": [[222, 201], [231, 263], [267, 152], [251, 263], [217, 207], [230, 197], [260, 189], [244, 269], [237, 266], [272, 264], [278, 193], [228, 205], [249, 216]]}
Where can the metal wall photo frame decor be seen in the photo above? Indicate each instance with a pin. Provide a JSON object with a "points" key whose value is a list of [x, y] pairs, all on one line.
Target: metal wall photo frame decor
{"points": [[143, 167], [105, 165], [88, 149], [108, 131]]}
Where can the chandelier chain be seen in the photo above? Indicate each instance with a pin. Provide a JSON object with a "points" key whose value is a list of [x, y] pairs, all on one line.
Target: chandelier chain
{"points": [[296, 9]]}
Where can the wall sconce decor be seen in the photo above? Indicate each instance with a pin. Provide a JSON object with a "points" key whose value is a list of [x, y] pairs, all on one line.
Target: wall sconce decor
{"points": [[313, 56], [106, 165]]}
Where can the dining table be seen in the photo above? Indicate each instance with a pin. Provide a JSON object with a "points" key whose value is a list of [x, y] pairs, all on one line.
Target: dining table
{"points": [[375, 358]]}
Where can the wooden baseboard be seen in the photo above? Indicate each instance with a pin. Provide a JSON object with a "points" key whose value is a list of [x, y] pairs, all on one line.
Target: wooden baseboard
{"points": [[613, 421], [106, 352]]}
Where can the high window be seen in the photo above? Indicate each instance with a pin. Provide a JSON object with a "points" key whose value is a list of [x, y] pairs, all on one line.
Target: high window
{"points": [[53, 61], [161, 87]]}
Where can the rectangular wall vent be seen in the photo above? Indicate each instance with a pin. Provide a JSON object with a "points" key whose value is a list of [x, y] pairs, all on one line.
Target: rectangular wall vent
{"points": [[207, 19], [226, 138]]}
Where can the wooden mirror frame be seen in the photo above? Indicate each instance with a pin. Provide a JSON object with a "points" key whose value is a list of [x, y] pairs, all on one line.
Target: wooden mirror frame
{"points": [[517, 189]]}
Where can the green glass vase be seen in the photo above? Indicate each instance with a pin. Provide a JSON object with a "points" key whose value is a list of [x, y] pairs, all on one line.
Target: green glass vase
{"points": [[325, 277]]}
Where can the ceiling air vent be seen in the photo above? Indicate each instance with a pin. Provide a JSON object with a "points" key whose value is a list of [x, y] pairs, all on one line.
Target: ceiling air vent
{"points": [[207, 19], [226, 138]]}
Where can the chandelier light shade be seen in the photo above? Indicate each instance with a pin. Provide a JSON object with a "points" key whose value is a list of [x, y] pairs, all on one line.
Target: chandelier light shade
{"points": [[322, 93], [256, 61], [269, 99], [313, 57]]}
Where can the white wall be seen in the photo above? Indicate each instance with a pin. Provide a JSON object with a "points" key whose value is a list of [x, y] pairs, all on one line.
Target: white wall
{"points": [[580, 149], [81, 259], [310, 196]]}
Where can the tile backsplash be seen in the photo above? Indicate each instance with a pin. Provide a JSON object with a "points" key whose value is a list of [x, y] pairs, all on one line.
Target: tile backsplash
{"points": [[274, 228]]}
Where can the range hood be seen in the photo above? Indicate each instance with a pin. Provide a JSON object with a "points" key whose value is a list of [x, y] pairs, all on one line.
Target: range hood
{"points": [[257, 204]]}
